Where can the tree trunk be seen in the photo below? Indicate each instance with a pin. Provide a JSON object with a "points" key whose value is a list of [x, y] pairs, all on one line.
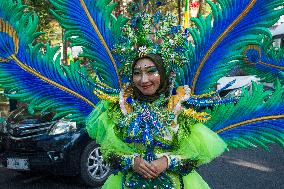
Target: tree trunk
{"points": [[179, 12], [64, 49], [200, 8]]}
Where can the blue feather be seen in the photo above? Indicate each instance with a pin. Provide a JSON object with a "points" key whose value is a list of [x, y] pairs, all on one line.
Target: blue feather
{"points": [[96, 30], [264, 60], [217, 45], [34, 77], [257, 119]]}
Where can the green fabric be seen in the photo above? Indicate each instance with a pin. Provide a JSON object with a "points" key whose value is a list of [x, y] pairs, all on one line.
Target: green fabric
{"points": [[101, 128], [191, 181], [201, 144]]}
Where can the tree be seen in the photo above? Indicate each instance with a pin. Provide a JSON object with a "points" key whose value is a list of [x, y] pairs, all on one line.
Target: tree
{"points": [[47, 23]]}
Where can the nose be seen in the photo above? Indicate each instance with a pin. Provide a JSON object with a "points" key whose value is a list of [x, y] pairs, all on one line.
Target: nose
{"points": [[145, 78]]}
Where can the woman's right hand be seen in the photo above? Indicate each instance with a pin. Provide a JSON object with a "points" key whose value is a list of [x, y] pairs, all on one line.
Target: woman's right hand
{"points": [[144, 168]]}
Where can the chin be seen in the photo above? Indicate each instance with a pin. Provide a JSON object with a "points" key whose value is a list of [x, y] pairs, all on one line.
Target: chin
{"points": [[148, 93]]}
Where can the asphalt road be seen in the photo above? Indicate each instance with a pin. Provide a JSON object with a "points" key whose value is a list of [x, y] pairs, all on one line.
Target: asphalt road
{"points": [[236, 169], [246, 169]]}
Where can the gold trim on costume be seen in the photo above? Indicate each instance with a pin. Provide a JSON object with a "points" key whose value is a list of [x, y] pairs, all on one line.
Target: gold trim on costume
{"points": [[251, 47], [199, 116], [250, 121], [104, 96], [270, 65], [53, 83], [175, 99], [128, 92], [101, 39], [6, 28], [259, 62]]}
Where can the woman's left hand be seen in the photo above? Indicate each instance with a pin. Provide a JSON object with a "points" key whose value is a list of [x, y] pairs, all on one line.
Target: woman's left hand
{"points": [[161, 164]]}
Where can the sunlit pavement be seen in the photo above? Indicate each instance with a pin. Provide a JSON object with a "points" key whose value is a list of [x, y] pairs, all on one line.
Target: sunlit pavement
{"points": [[246, 169], [236, 169]]}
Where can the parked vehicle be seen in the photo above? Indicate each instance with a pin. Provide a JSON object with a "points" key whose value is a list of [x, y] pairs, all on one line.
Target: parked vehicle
{"points": [[37, 143], [235, 89], [240, 82], [278, 35]]}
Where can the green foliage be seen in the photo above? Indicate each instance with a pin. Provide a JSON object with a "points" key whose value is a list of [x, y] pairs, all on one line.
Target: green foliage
{"points": [[164, 6], [47, 23]]}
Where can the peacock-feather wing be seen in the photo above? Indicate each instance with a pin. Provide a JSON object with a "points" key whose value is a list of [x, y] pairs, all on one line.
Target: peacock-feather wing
{"points": [[38, 78], [256, 120], [264, 60], [219, 42], [90, 24]]}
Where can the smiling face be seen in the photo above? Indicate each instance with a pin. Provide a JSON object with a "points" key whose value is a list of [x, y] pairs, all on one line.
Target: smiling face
{"points": [[146, 76]]}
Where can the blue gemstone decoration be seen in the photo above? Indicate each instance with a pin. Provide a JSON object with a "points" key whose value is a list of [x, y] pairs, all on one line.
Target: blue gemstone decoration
{"points": [[186, 31], [203, 102], [129, 100], [175, 29], [157, 17], [174, 91], [135, 21], [146, 124], [179, 50]]}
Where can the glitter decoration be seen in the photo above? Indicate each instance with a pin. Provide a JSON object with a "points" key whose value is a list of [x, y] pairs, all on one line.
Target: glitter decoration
{"points": [[148, 34]]}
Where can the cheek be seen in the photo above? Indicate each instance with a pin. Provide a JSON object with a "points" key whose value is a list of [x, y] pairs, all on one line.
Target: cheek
{"points": [[136, 80], [158, 80]]}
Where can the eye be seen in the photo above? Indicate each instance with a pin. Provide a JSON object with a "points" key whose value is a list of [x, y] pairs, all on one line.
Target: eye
{"points": [[136, 72], [152, 70]]}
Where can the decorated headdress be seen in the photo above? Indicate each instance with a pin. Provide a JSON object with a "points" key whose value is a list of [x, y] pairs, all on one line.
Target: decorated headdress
{"points": [[152, 34]]}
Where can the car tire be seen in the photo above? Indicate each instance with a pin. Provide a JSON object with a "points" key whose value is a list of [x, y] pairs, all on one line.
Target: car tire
{"points": [[93, 170]]}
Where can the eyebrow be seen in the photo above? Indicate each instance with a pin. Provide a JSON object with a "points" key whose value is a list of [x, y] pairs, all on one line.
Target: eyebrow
{"points": [[139, 68]]}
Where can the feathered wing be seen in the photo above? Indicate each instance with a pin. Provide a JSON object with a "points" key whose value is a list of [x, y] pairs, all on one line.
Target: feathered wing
{"points": [[218, 44], [256, 120], [35, 77], [264, 60], [90, 24]]}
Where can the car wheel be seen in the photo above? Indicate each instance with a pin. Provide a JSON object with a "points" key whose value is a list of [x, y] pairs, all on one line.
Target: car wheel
{"points": [[94, 171]]}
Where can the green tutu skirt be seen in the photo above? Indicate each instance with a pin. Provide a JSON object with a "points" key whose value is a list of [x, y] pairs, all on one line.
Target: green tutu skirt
{"points": [[190, 181]]}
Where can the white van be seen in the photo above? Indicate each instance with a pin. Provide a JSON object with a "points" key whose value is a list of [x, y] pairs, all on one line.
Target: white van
{"points": [[278, 36]]}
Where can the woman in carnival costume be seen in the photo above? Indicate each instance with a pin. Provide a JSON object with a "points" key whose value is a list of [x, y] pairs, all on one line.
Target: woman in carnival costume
{"points": [[148, 137], [142, 106]]}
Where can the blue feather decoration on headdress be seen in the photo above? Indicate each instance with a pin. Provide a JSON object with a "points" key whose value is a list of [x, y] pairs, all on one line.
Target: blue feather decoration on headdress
{"points": [[219, 43], [34, 77]]}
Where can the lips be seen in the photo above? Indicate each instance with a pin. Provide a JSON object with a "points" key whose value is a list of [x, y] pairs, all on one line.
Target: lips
{"points": [[146, 86]]}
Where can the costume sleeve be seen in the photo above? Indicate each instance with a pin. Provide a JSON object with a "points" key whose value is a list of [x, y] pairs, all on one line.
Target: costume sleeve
{"points": [[100, 127], [199, 146]]}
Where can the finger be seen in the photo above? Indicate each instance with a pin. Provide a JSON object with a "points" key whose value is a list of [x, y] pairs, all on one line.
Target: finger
{"points": [[148, 171], [142, 173], [145, 174], [152, 167]]}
